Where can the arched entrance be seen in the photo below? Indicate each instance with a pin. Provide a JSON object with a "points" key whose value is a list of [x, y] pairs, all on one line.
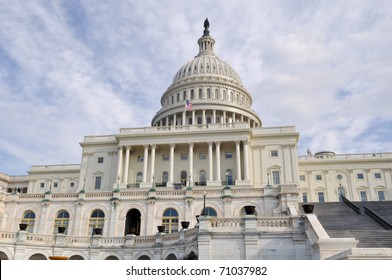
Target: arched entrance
{"points": [[132, 222]]}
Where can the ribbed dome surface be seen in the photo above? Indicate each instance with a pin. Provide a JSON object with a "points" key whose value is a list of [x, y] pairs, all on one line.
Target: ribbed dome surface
{"points": [[207, 64]]}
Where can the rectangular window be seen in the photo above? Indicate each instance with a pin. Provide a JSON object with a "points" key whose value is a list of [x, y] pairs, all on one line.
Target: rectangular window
{"points": [[360, 176], [319, 177], [202, 156], [165, 157], [302, 178], [184, 157], [274, 153], [363, 195], [228, 155], [100, 160], [178, 97], [42, 185], [98, 180], [377, 175], [140, 158], [320, 196], [55, 184], [381, 195], [305, 197], [275, 177]]}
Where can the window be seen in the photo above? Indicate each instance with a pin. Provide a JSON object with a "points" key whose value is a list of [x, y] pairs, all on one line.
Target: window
{"points": [[190, 120], [98, 181], [381, 195], [165, 157], [202, 156], [202, 178], [183, 176], [97, 220], [200, 93], [178, 97], [319, 177], [184, 95], [42, 185], [208, 93], [377, 175], [210, 212], [192, 94], [302, 178], [274, 153], [360, 176], [228, 155], [208, 119], [229, 177], [320, 196], [199, 120], [62, 220], [140, 158], [172, 99], [165, 178], [275, 177], [341, 192], [139, 178], [29, 219], [184, 157], [363, 195], [305, 197], [72, 184], [170, 220], [55, 184], [100, 159]]}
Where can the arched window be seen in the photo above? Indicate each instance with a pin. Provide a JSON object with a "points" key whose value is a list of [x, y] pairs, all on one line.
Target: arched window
{"points": [[171, 257], [211, 212], [183, 177], [200, 93], [62, 220], [199, 120], [97, 220], [208, 119], [170, 220], [192, 94], [190, 121], [165, 178], [29, 219], [216, 93], [202, 178], [341, 192], [139, 178], [208, 93], [229, 177]]}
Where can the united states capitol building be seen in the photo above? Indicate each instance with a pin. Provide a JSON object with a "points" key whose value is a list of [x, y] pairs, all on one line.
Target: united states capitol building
{"points": [[205, 181]]}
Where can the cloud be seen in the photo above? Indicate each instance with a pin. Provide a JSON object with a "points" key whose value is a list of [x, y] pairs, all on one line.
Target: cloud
{"points": [[75, 68]]}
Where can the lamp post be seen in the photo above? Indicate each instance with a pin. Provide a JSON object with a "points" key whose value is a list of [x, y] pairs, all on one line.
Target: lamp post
{"points": [[204, 213]]}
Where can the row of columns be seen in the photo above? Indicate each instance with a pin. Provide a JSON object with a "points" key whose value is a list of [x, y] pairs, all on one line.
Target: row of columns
{"points": [[223, 116], [123, 165]]}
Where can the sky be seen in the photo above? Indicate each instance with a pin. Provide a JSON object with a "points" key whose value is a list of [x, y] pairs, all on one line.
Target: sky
{"points": [[72, 68]]}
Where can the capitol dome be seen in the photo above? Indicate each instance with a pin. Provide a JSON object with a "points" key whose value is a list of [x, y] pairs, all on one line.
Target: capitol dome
{"points": [[206, 90]]}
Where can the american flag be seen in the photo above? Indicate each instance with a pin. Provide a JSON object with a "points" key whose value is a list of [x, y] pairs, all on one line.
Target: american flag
{"points": [[188, 105]]}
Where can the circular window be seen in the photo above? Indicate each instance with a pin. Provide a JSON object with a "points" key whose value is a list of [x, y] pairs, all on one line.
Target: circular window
{"points": [[72, 184], [339, 177]]}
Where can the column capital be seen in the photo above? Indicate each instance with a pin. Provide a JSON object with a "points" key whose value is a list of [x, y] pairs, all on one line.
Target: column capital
{"points": [[172, 145], [210, 143], [153, 146], [245, 141], [191, 144], [217, 143], [146, 146]]}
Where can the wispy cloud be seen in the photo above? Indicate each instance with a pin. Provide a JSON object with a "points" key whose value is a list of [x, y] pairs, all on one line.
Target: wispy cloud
{"points": [[75, 68]]}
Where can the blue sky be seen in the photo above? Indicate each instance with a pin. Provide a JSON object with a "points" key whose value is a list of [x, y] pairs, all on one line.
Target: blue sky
{"points": [[74, 68]]}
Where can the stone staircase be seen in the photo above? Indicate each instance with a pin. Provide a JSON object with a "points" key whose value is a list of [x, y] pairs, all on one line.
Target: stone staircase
{"points": [[340, 221]]}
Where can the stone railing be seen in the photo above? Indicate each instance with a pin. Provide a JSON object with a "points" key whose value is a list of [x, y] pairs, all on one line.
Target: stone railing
{"points": [[262, 224], [347, 156]]}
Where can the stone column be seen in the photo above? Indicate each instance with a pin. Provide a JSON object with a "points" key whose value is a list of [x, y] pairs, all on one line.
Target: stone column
{"points": [[210, 166], [120, 162], [153, 147], [214, 116], [183, 122], [127, 152], [204, 116], [174, 119], [191, 164], [194, 122], [238, 160], [246, 160], [171, 171], [224, 117], [145, 161], [218, 163]]}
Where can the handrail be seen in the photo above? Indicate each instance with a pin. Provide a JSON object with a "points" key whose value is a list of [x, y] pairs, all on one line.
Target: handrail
{"points": [[377, 218], [351, 205]]}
